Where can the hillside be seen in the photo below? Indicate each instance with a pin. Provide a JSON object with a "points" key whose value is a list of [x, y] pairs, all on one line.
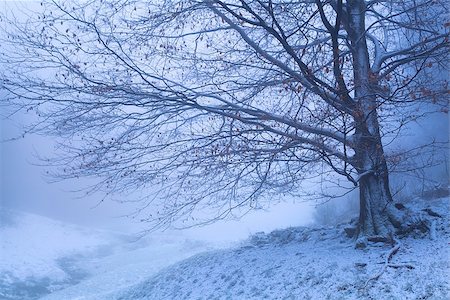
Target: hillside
{"points": [[46, 259], [304, 263], [38, 253], [42, 257]]}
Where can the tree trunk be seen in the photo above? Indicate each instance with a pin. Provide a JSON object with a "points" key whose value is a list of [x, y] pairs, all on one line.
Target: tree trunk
{"points": [[375, 195]]}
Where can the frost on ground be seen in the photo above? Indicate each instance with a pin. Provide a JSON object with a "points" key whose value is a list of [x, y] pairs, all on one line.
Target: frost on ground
{"points": [[37, 254], [41, 257], [129, 264], [45, 259], [303, 263]]}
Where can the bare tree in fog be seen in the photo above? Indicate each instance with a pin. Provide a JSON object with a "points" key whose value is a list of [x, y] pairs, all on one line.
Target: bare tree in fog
{"points": [[221, 104]]}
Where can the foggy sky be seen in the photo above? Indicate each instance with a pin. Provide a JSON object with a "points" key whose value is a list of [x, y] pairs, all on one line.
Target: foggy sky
{"points": [[23, 186]]}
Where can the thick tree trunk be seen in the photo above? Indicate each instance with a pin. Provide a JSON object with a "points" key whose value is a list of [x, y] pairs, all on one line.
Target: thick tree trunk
{"points": [[375, 195], [375, 199], [378, 216]]}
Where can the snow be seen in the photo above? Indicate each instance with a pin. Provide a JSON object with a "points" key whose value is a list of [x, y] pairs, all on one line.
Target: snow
{"points": [[305, 263], [30, 244], [41, 256], [129, 263], [51, 260], [36, 253]]}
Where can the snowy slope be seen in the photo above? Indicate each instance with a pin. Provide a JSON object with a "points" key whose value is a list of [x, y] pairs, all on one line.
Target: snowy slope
{"points": [[130, 263], [41, 257], [303, 263], [37, 253], [30, 244]]}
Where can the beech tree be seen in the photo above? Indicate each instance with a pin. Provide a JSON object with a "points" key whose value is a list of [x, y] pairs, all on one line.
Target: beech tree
{"points": [[222, 104]]}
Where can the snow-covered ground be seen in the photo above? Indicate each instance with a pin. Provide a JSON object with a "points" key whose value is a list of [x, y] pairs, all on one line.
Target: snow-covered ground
{"points": [[129, 264], [304, 263], [43, 258], [36, 253]]}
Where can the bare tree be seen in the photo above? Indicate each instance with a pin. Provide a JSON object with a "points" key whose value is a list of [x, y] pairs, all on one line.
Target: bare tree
{"points": [[221, 104]]}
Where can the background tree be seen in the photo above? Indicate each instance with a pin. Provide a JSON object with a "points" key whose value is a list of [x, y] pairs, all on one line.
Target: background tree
{"points": [[221, 105]]}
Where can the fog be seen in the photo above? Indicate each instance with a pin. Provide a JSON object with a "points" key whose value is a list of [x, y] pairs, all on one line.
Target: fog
{"points": [[25, 186], [60, 238]]}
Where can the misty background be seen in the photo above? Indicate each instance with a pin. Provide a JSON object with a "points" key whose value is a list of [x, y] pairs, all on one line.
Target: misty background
{"points": [[24, 185], [58, 241]]}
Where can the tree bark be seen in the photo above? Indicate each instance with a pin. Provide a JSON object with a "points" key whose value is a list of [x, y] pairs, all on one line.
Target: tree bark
{"points": [[375, 194], [375, 199]]}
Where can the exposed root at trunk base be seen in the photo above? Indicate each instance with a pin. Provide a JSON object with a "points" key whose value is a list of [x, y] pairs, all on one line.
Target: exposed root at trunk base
{"points": [[408, 221], [401, 221], [387, 263]]}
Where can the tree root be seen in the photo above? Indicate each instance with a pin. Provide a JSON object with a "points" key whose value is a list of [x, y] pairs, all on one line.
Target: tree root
{"points": [[409, 221], [387, 263], [402, 221], [397, 266]]}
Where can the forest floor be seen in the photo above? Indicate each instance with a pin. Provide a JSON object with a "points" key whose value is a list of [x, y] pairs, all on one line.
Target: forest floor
{"points": [[293, 263], [313, 263]]}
